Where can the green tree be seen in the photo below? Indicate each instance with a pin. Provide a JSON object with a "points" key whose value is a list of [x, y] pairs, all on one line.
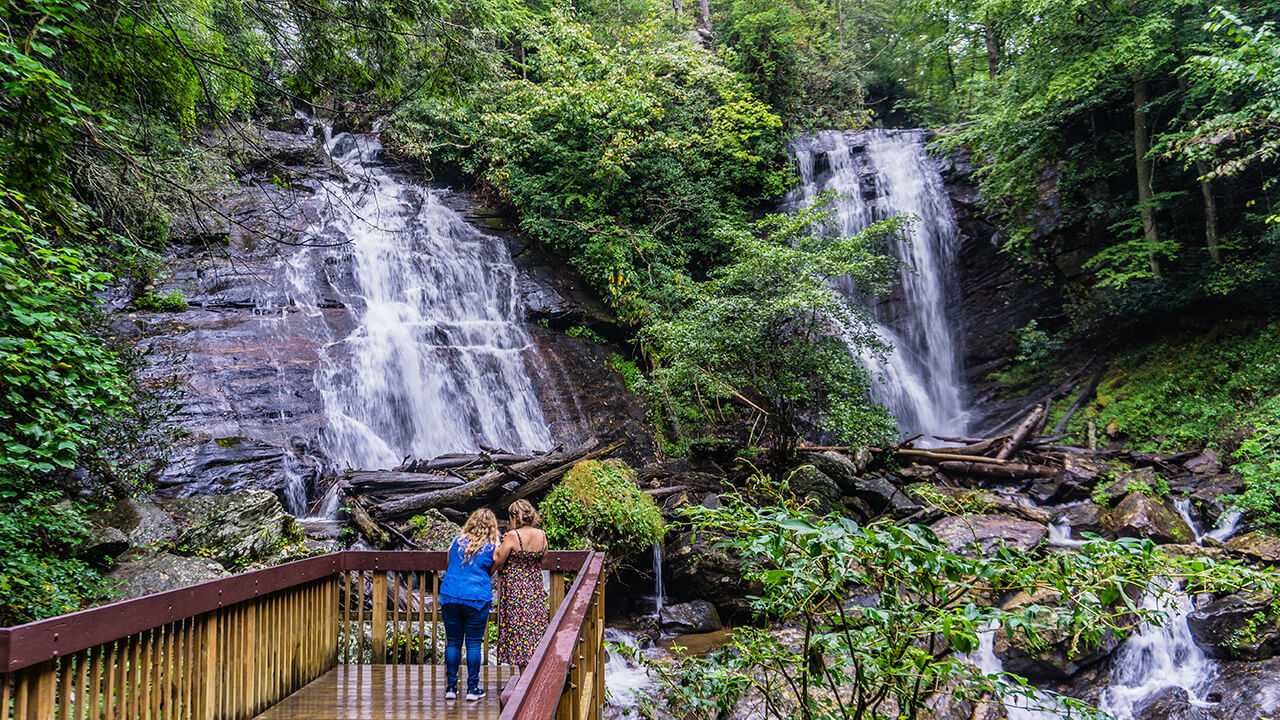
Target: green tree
{"points": [[770, 328]]}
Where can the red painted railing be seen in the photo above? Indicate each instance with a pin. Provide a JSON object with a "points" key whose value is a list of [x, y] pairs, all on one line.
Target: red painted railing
{"points": [[228, 649]]}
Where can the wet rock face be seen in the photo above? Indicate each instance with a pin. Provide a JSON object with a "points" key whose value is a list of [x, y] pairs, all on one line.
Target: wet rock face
{"points": [[1256, 545], [1242, 626]]}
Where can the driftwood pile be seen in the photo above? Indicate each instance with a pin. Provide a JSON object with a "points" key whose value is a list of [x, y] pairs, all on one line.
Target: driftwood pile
{"points": [[454, 485]]}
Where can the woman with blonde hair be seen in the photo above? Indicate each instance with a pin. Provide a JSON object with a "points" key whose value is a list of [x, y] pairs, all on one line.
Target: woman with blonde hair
{"points": [[523, 600], [465, 594]]}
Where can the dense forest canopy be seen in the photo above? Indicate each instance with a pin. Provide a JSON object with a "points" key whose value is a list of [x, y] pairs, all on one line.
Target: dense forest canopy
{"points": [[639, 140]]}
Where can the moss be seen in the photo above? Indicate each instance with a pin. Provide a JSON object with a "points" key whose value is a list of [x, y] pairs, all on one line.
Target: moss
{"points": [[599, 504]]}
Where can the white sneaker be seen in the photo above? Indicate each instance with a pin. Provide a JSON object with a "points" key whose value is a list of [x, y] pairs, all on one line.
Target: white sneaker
{"points": [[475, 694], [450, 694]]}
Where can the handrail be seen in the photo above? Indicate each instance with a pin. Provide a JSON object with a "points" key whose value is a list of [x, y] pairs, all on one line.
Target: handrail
{"points": [[23, 646], [538, 693]]}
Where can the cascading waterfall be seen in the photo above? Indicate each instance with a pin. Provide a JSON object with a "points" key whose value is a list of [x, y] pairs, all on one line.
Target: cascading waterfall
{"points": [[434, 363], [881, 174]]}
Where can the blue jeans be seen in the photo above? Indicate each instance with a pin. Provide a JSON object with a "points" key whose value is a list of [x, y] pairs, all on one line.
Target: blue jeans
{"points": [[462, 622]]}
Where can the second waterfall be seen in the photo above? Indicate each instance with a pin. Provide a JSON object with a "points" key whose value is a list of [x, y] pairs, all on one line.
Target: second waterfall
{"points": [[881, 174]]}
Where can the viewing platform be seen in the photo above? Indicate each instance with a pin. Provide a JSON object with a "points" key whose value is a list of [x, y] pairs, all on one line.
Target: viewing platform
{"points": [[352, 635]]}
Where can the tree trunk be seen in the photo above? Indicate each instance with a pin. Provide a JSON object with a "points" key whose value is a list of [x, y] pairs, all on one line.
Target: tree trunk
{"points": [[993, 49], [1210, 213], [1143, 164], [704, 7], [677, 6]]}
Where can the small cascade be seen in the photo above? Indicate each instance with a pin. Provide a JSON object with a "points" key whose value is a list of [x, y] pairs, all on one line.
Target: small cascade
{"points": [[1060, 535], [435, 360], [881, 174], [626, 681], [1183, 506], [1157, 658], [1227, 525], [659, 593]]}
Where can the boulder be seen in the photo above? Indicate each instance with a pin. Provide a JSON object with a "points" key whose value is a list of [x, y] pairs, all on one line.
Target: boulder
{"points": [[980, 534], [1086, 517], [236, 529], [1087, 468], [432, 531], [1056, 655], [138, 574], [145, 525], [695, 569], [1142, 516], [697, 616], [1256, 545], [813, 486], [1014, 505], [105, 544], [1241, 626], [1206, 463]]}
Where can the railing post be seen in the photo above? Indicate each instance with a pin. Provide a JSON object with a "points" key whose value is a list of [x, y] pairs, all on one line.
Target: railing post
{"points": [[41, 692], [206, 690], [379, 617]]}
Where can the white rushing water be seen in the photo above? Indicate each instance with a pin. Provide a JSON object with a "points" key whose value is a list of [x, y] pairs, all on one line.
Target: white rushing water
{"points": [[626, 681], [1041, 706], [882, 174], [1156, 659], [434, 363], [659, 592]]}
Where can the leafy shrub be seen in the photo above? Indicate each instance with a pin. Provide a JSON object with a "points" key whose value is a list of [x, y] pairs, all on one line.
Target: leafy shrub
{"points": [[172, 301], [1034, 344], [599, 504]]}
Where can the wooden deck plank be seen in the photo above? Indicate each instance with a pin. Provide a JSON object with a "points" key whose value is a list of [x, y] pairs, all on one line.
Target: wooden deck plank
{"points": [[388, 692]]}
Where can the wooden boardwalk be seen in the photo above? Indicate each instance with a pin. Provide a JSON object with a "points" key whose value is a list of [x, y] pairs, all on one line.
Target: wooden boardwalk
{"points": [[389, 692]]}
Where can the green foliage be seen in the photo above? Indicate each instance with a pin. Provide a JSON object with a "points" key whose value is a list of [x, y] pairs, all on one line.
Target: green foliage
{"points": [[624, 157], [599, 505], [1034, 344], [172, 301], [580, 331], [769, 327], [1185, 393], [39, 573], [876, 607], [1258, 462]]}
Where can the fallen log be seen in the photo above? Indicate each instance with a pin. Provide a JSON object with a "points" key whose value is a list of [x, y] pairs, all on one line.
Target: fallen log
{"points": [[543, 481], [946, 456], [662, 492], [979, 447], [470, 492], [1020, 435], [1062, 389], [460, 461], [377, 482], [370, 529], [1011, 471], [1089, 389]]}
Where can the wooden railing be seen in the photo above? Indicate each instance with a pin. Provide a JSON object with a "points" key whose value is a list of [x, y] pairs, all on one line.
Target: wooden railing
{"points": [[228, 649]]}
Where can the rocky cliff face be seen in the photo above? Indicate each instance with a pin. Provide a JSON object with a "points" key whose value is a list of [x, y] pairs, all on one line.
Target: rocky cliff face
{"points": [[246, 352]]}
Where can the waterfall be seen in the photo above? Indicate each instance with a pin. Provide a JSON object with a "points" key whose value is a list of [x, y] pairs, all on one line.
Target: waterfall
{"points": [[626, 681], [434, 361], [1041, 706], [658, 591], [881, 174]]}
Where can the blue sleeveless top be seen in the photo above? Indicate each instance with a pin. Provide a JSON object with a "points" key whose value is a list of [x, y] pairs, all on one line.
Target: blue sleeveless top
{"points": [[467, 582]]}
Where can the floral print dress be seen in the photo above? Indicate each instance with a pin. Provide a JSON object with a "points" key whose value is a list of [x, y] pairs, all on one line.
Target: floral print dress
{"points": [[523, 608]]}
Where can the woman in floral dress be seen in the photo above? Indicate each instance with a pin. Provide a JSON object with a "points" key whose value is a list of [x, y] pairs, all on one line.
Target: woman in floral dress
{"points": [[523, 610]]}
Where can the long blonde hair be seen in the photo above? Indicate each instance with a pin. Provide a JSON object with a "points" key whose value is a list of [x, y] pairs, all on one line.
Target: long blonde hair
{"points": [[521, 514], [481, 529]]}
